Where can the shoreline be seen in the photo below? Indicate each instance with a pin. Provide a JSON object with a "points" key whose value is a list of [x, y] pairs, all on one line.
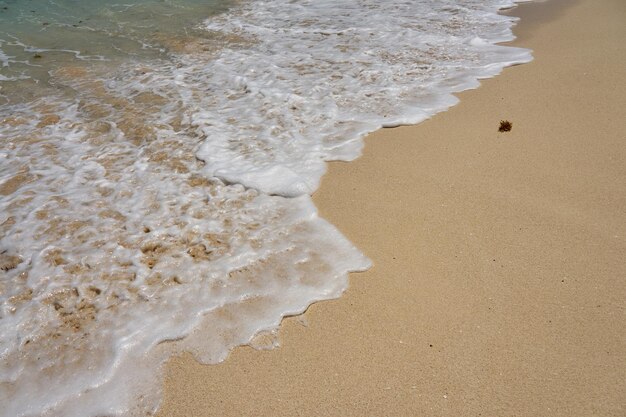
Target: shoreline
{"points": [[497, 256]]}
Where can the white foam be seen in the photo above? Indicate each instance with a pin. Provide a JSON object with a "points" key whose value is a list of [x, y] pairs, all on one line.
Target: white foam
{"points": [[164, 206], [4, 58], [317, 75], [118, 247]]}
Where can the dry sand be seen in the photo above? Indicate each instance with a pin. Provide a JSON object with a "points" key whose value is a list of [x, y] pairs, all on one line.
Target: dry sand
{"points": [[499, 285]]}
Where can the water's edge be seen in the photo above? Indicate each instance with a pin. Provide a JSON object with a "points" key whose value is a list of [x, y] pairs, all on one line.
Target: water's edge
{"points": [[257, 237]]}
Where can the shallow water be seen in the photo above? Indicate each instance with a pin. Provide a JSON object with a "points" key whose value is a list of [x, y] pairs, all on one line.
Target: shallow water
{"points": [[156, 162]]}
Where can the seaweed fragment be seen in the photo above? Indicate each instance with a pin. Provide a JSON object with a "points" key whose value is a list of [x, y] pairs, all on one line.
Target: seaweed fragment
{"points": [[505, 126]]}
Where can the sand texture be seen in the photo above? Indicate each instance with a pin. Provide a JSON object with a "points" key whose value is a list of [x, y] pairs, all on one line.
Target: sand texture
{"points": [[499, 278]]}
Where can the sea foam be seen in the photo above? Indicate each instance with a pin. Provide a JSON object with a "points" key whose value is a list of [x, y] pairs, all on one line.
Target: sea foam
{"points": [[157, 204]]}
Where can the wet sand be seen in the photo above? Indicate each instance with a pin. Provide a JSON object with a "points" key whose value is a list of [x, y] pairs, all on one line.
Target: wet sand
{"points": [[499, 278]]}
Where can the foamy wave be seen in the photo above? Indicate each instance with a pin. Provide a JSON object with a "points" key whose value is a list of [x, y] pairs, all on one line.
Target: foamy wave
{"points": [[315, 76], [163, 205], [114, 243]]}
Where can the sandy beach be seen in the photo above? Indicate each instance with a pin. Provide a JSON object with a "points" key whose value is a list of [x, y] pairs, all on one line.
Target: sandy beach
{"points": [[498, 286]]}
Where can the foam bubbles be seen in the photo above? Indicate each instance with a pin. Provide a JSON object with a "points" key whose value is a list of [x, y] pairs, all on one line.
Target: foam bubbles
{"points": [[315, 76]]}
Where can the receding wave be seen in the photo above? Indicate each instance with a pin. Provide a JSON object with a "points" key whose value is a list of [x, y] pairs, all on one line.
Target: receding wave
{"points": [[159, 202]]}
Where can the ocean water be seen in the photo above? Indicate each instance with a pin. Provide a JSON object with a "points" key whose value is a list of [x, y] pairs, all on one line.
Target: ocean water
{"points": [[157, 159]]}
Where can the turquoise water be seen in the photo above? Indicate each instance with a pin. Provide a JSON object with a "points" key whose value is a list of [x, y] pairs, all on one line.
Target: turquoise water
{"points": [[38, 36]]}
